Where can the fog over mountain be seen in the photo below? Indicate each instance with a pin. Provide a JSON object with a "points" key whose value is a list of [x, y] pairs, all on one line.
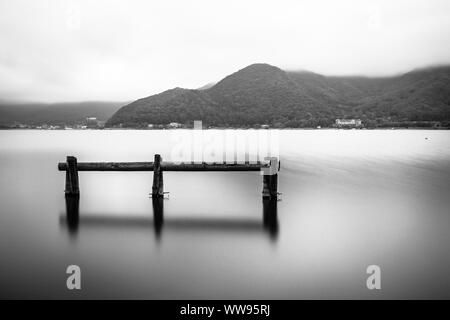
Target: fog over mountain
{"points": [[103, 50], [55, 113]]}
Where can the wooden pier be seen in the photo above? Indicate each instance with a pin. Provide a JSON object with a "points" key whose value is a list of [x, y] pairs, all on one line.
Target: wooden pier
{"points": [[269, 171]]}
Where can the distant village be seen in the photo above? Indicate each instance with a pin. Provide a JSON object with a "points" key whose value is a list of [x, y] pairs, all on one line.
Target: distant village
{"points": [[88, 123]]}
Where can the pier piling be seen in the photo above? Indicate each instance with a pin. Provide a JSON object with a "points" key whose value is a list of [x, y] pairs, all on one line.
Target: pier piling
{"points": [[72, 187], [158, 184]]}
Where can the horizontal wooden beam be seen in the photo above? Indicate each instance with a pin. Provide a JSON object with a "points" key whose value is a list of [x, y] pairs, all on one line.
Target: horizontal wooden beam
{"points": [[165, 166]]}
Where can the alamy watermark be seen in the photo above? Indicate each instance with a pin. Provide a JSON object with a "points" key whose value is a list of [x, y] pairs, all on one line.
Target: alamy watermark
{"points": [[225, 146], [73, 281], [374, 280]]}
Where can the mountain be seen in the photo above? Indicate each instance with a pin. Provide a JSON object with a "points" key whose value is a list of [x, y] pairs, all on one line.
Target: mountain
{"points": [[257, 94], [175, 105], [56, 113], [420, 95], [264, 94]]}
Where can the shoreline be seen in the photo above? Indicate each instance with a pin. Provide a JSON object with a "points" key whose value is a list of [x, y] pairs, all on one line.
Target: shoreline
{"points": [[229, 128]]}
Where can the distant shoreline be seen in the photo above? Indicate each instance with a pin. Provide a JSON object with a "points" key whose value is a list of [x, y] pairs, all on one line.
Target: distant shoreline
{"points": [[229, 128]]}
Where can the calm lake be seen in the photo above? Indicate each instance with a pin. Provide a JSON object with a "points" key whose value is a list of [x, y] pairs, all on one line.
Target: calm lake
{"points": [[350, 199]]}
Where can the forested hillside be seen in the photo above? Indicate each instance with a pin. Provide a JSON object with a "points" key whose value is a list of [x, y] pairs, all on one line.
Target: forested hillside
{"points": [[264, 94]]}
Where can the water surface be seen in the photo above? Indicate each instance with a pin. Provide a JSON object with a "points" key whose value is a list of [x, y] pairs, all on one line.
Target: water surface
{"points": [[350, 198]]}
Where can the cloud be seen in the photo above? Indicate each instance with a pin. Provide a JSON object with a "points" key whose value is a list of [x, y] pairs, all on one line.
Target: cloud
{"points": [[122, 50]]}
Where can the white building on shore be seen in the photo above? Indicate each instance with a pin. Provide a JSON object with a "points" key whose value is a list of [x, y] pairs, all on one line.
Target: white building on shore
{"points": [[348, 123], [174, 125]]}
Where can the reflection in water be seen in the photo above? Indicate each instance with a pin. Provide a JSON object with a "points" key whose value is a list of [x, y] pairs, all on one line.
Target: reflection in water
{"points": [[270, 217], [158, 215], [72, 213], [269, 225], [386, 203]]}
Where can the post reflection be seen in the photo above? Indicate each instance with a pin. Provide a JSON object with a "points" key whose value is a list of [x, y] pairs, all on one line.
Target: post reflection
{"points": [[268, 226], [72, 214], [270, 217], [158, 215]]}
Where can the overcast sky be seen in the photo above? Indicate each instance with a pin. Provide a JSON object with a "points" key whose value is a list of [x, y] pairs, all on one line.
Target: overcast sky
{"points": [[67, 50]]}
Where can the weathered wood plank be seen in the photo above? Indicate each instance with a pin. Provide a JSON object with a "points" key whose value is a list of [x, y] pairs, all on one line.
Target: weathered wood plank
{"points": [[165, 166]]}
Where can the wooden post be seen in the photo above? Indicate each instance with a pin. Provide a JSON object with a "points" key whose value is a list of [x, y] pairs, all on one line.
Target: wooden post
{"points": [[270, 180], [158, 185], [72, 187], [270, 185]]}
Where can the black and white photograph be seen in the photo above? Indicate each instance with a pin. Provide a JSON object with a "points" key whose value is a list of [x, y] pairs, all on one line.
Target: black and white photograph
{"points": [[212, 150]]}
